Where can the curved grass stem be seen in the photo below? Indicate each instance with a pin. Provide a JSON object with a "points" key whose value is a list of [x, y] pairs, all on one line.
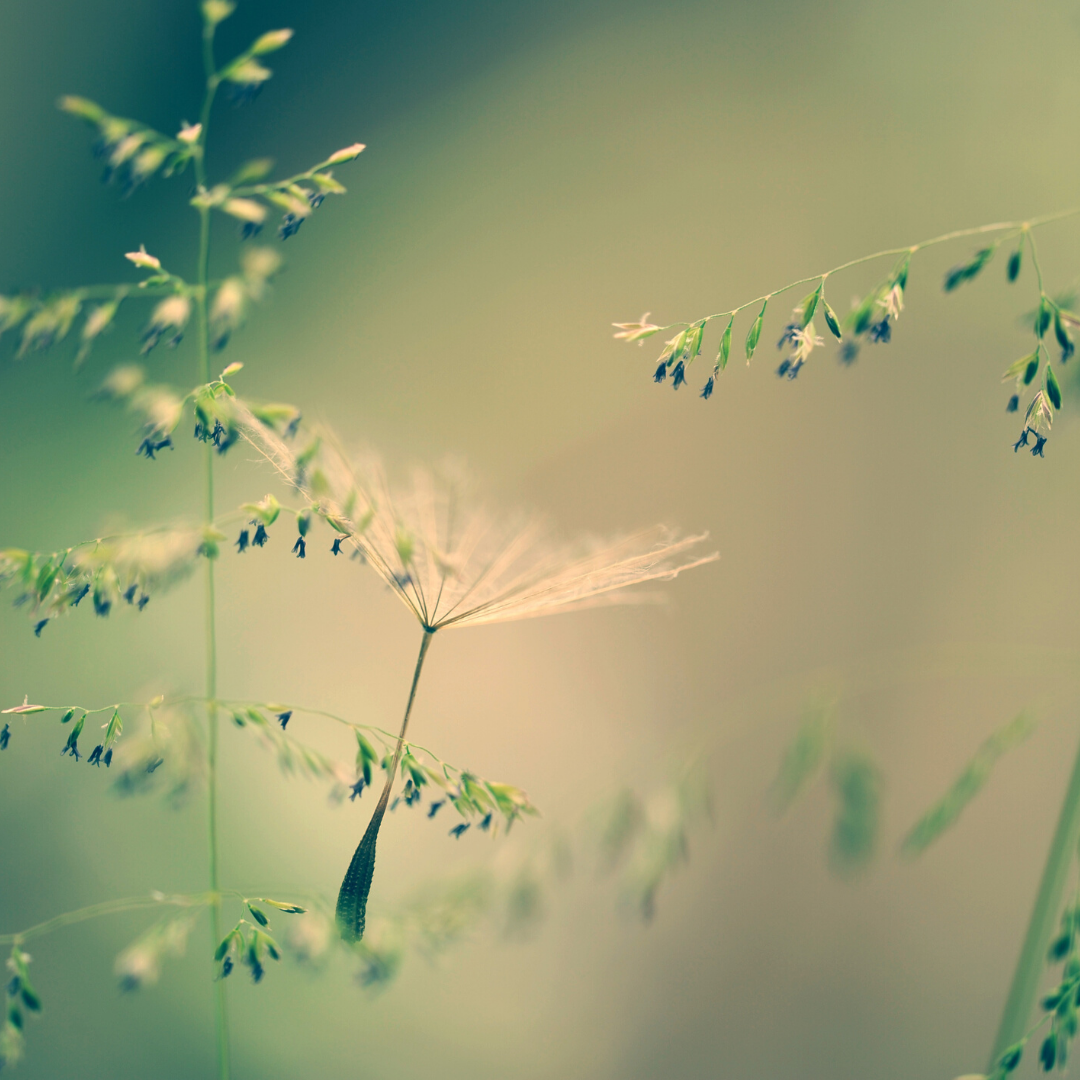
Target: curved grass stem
{"points": [[1032, 961], [1017, 227]]}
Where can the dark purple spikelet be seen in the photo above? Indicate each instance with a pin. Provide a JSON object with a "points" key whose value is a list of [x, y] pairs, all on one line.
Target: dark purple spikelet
{"points": [[95, 756], [457, 831], [1014, 403], [661, 372], [284, 717], [5, 737], [881, 331], [678, 376], [242, 541], [788, 336], [261, 536], [300, 548], [39, 626], [707, 390], [290, 226]]}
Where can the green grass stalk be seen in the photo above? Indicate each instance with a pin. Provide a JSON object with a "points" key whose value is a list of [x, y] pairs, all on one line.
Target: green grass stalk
{"points": [[1032, 960]]}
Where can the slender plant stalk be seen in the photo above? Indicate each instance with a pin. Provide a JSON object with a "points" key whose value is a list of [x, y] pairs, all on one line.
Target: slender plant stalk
{"points": [[221, 1017], [1018, 228], [353, 896], [1032, 960], [106, 907]]}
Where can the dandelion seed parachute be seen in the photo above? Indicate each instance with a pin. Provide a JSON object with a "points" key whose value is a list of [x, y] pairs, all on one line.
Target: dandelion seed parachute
{"points": [[454, 563]]}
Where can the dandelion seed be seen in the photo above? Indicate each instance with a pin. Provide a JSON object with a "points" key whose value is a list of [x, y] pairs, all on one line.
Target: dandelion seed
{"points": [[261, 536], [457, 831], [242, 541], [300, 548], [453, 564], [284, 717], [469, 567]]}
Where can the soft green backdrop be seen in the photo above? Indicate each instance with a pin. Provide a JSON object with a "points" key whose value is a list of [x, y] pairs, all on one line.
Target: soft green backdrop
{"points": [[534, 172]]}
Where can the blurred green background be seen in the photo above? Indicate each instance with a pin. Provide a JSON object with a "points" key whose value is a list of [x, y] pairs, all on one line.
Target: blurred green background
{"points": [[534, 172]]}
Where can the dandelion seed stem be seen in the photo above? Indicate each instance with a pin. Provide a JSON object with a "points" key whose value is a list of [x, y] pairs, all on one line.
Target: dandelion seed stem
{"points": [[353, 896]]}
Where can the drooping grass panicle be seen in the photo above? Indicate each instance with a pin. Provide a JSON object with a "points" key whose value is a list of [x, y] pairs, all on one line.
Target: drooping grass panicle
{"points": [[872, 319]]}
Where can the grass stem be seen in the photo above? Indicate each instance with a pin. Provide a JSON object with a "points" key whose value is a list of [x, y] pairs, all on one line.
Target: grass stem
{"points": [[221, 1016], [1032, 960]]}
